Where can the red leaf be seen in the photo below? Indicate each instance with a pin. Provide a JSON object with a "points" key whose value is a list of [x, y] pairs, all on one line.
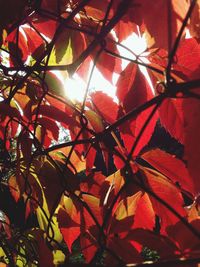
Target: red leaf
{"points": [[144, 214], [56, 114], [94, 205], [90, 159], [33, 39], [124, 29], [96, 9], [93, 184], [138, 92], [50, 6], [9, 111], [108, 64], [191, 108], [59, 105], [17, 46], [15, 126], [187, 59], [26, 147], [147, 10], [44, 252], [105, 106], [44, 26], [89, 244], [123, 248], [169, 193], [186, 241], [171, 167], [84, 68], [69, 223], [171, 117], [51, 126], [181, 116], [125, 81], [163, 245], [78, 43], [123, 217], [186, 66]]}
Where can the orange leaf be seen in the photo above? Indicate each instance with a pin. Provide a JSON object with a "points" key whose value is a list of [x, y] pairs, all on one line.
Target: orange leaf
{"points": [[14, 188], [144, 214]]}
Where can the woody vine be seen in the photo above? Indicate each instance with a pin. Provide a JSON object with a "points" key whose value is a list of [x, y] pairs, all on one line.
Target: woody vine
{"points": [[101, 195]]}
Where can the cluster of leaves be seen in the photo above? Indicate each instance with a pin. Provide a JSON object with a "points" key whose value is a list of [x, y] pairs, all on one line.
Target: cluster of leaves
{"points": [[113, 215]]}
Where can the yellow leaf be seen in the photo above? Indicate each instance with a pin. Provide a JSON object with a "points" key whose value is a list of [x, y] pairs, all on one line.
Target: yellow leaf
{"points": [[58, 257], [95, 120], [127, 206]]}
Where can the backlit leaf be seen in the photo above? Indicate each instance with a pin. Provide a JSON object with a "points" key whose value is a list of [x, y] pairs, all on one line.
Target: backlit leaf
{"points": [[56, 114], [105, 106], [160, 31], [171, 167], [69, 222], [169, 193]]}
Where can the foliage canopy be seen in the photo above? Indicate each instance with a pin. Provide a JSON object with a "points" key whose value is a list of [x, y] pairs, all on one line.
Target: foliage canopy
{"points": [[100, 192]]}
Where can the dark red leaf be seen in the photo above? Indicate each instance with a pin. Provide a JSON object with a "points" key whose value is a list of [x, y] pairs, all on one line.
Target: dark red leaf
{"points": [[26, 147], [187, 242], [164, 246], [123, 248], [9, 111], [51, 183], [44, 252], [56, 114], [51, 126], [18, 47]]}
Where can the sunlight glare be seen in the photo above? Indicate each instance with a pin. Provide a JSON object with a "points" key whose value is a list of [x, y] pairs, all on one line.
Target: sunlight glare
{"points": [[134, 46], [137, 46], [75, 87]]}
